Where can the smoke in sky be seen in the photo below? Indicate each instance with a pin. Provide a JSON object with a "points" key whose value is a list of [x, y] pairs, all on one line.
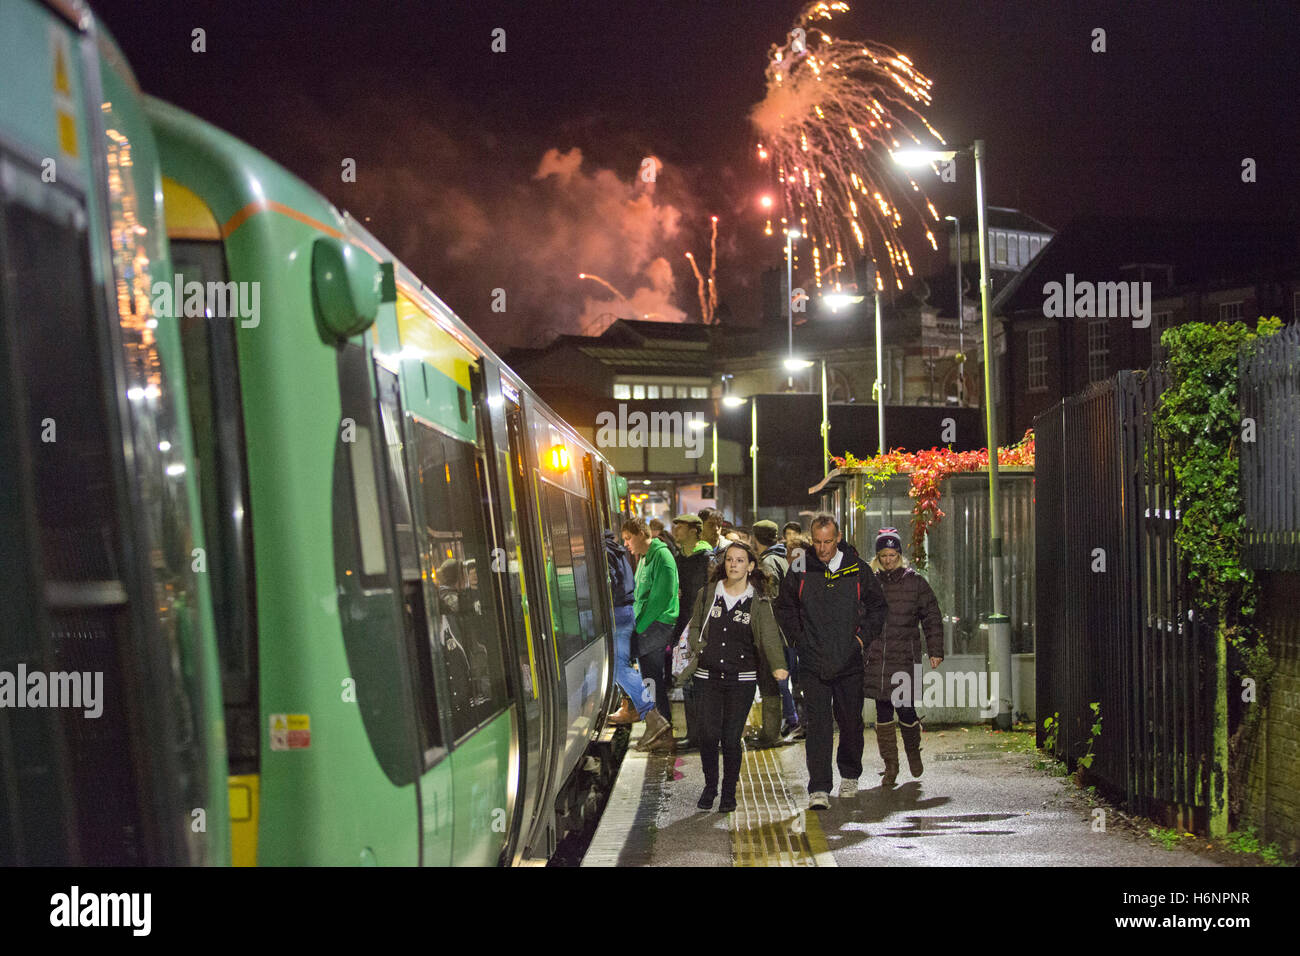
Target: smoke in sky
{"points": [[470, 212]]}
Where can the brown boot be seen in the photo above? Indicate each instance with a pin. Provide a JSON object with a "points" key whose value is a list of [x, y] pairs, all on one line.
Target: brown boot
{"points": [[888, 743], [626, 715], [655, 727], [911, 734]]}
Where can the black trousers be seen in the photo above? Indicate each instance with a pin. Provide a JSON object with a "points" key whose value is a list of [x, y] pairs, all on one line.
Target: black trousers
{"points": [[842, 698], [885, 713], [650, 659], [722, 706]]}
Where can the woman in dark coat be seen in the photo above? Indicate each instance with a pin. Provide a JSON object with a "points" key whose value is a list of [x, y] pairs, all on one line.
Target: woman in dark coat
{"points": [[733, 638], [896, 652]]}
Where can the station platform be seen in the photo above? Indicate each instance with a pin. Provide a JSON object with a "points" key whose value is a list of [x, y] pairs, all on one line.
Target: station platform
{"points": [[981, 801]]}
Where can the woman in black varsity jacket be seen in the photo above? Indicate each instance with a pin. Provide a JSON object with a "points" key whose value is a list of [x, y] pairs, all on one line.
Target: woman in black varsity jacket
{"points": [[733, 635]]}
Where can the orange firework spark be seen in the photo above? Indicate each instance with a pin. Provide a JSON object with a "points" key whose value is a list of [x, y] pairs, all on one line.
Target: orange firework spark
{"points": [[708, 291], [828, 124]]}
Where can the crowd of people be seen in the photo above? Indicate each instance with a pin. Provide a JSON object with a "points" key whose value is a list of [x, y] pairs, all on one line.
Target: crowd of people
{"points": [[719, 611]]}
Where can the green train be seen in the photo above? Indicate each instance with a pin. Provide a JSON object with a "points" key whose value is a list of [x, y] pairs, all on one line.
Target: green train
{"points": [[337, 570]]}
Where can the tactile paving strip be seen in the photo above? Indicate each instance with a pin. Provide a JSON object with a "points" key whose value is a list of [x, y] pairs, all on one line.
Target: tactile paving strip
{"points": [[768, 828]]}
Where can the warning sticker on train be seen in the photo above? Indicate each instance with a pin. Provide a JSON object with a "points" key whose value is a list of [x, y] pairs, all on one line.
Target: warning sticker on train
{"points": [[290, 731]]}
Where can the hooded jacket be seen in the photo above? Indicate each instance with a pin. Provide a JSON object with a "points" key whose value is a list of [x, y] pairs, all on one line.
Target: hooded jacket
{"points": [[776, 564], [911, 602], [656, 587], [831, 617]]}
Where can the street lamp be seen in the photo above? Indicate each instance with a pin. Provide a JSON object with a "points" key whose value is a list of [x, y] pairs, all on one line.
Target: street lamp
{"points": [[999, 623], [790, 235], [961, 315]]}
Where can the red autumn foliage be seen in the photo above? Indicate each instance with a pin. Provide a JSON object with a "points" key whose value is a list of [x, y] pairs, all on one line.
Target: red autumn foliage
{"points": [[928, 469]]}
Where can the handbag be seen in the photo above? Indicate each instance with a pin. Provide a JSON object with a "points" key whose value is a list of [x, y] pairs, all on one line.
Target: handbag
{"points": [[682, 656]]}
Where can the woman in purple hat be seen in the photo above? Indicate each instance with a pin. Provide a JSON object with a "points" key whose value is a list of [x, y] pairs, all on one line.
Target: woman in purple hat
{"points": [[897, 650]]}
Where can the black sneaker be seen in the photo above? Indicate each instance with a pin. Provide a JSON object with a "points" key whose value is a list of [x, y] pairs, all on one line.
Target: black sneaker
{"points": [[727, 805], [796, 732], [706, 799]]}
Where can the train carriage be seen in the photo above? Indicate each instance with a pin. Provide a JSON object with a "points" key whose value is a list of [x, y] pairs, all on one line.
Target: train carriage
{"points": [[414, 610]]}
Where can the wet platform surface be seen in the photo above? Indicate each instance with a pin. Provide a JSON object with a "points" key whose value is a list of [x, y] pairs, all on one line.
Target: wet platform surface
{"points": [[981, 801]]}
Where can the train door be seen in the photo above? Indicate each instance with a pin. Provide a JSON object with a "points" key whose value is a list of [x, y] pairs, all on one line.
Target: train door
{"points": [[541, 720], [598, 499], [516, 616]]}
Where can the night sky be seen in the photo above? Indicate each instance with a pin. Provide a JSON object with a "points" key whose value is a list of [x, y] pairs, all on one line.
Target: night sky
{"points": [[448, 137]]}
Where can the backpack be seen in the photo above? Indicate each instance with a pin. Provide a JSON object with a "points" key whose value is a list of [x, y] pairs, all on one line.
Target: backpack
{"points": [[622, 582]]}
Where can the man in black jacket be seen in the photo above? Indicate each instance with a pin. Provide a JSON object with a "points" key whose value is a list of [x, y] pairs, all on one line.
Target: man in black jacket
{"points": [[831, 611]]}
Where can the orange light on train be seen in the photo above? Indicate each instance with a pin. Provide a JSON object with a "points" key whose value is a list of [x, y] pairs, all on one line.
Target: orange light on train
{"points": [[559, 458]]}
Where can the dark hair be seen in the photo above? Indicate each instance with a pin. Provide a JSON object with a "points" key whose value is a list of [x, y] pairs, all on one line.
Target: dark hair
{"points": [[798, 528], [821, 519], [765, 536], [656, 525], [708, 514], [757, 577], [635, 526]]}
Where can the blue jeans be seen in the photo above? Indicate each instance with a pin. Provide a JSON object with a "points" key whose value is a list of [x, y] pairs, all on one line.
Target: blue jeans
{"points": [[626, 677], [787, 698]]}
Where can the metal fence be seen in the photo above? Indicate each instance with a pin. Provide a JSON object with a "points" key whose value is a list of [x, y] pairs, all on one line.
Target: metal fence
{"points": [[1115, 623], [1270, 451]]}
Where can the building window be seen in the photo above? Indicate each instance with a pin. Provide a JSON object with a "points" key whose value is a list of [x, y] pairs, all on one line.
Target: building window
{"points": [[1013, 250], [1159, 322], [1024, 250], [1230, 311], [652, 391], [1000, 247], [699, 391], [622, 390], [1098, 350], [1035, 243], [638, 392], [1037, 360]]}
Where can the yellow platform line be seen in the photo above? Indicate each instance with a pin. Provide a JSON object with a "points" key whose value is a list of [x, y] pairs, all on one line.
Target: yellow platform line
{"points": [[768, 828]]}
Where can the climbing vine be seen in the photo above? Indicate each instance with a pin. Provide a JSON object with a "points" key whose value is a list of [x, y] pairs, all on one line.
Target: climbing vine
{"points": [[1199, 419], [927, 469]]}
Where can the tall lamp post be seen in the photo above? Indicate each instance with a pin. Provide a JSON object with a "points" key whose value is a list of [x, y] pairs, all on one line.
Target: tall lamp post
{"points": [[790, 236], [999, 623], [961, 316], [834, 300]]}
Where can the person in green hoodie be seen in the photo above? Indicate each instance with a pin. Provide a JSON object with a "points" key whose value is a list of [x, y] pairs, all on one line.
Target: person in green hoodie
{"points": [[655, 607]]}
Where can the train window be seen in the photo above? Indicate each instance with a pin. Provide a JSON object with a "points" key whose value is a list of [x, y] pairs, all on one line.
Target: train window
{"points": [[568, 571], [414, 610], [217, 418], [370, 612], [367, 501], [464, 626]]}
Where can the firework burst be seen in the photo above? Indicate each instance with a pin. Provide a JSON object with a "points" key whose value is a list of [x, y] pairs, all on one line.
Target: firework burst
{"points": [[833, 112]]}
